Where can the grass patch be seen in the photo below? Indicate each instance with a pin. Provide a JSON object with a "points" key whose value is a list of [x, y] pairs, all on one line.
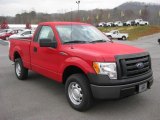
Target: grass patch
{"points": [[134, 32]]}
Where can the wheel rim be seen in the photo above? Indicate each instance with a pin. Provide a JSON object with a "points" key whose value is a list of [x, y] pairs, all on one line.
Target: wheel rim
{"points": [[123, 38], [18, 69], [75, 93]]}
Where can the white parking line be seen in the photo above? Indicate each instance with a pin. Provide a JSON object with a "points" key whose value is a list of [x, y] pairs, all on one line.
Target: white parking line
{"points": [[3, 42]]}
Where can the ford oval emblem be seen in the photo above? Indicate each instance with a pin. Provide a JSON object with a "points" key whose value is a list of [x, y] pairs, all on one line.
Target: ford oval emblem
{"points": [[140, 65]]}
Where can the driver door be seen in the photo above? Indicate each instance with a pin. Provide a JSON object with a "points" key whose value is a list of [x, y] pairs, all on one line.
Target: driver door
{"points": [[44, 60]]}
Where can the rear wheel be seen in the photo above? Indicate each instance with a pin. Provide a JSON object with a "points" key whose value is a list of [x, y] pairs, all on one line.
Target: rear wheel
{"points": [[20, 71], [78, 92], [124, 38]]}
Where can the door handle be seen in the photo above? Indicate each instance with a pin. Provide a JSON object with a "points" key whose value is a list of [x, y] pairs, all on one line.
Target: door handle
{"points": [[35, 49]]}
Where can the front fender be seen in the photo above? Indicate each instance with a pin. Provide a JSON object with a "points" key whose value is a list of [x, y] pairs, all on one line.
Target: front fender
{"points": [[77, 62]]}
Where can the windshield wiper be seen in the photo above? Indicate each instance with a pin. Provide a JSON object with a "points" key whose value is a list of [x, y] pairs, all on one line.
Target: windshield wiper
{"points": [[97, 41], [75, 41]]}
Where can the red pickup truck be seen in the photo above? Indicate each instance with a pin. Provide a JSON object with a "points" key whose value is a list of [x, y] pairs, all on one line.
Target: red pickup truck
{"points": [[84, 60]]}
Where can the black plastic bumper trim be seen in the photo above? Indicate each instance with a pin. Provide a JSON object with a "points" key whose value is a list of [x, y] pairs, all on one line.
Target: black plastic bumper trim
{"points": [[118, 91]]}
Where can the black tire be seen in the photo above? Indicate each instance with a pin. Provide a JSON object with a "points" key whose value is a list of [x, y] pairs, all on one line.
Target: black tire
{"points": [[22, 73], [110, 37], [86, 100], [124, 38], [159, 41]]}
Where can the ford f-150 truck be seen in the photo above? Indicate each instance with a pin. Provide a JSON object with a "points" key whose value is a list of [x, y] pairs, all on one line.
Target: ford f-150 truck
{"points": [[84, 60]]}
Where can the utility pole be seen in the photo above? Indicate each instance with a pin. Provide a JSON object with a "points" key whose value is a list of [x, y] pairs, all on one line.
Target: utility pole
{"points": [[78, 2]]}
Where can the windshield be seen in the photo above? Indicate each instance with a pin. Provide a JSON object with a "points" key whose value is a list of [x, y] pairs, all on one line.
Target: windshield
{"points": [[21, 32], [80, 34]]}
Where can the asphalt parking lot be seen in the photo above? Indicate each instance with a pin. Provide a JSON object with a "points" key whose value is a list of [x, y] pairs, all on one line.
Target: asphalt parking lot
{"points": [[39, 98]]}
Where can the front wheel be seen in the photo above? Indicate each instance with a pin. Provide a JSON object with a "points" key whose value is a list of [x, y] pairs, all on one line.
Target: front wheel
{"points": [[110, 37], [78, 92], [20, 71], [159, 41]]}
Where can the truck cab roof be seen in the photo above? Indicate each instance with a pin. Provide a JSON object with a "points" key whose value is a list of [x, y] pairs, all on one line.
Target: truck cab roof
{"points": [[63, 23]]}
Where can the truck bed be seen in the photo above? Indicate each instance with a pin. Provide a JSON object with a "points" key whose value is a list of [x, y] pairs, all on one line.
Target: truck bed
{"points": [[17, 45]]}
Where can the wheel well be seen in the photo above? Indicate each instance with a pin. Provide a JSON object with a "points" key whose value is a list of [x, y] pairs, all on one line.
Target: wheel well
{"points": [[69, 71], [159, 41], [16, 55]]}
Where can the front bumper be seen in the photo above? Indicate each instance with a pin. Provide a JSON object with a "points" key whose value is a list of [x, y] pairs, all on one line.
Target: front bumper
{"points": [[115, 91]]}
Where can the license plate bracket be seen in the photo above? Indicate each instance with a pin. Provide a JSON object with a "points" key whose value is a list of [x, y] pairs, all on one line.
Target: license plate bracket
{"points": [[142, 87]]}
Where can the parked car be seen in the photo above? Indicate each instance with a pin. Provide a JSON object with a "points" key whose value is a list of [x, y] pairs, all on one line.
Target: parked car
{"points": [[130, 23], [141, 22], [144, 23], [137, 21], [6, 35], [101, 24], [109, 24], [118, 23], [115, 34], [82, 58], [5, 30], [23, 34]]}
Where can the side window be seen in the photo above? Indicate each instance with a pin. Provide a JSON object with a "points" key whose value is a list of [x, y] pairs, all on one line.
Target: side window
{"points": [[46, 33], [26, 33], [37, 34]]}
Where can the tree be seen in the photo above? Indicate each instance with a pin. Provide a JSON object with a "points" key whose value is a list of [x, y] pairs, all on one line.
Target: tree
{"points": [[145, 13]]}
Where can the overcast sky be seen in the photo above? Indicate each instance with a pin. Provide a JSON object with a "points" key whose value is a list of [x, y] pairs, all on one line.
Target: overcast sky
{"points": [[12, 7]]}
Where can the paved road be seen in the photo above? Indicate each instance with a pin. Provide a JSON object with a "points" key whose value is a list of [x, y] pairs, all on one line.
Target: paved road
{"points": [[39, 98]]}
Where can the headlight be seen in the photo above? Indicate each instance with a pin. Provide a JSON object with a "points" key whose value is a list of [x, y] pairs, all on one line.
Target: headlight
{"points": [[106, 69]]}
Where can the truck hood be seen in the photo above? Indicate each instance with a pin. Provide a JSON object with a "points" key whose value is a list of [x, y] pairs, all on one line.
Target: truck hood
{"points": [[108, 33], [101, 51]]}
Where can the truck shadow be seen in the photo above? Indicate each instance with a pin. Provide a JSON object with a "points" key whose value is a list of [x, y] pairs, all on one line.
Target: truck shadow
{"points": [[125, 103], [45, 82], [119, 106]]}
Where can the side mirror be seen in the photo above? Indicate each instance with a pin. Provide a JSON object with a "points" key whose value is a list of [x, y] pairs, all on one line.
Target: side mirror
{"points": [[47, 43]]}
